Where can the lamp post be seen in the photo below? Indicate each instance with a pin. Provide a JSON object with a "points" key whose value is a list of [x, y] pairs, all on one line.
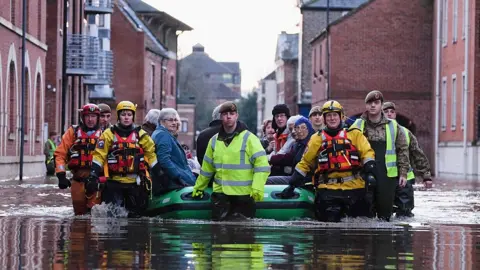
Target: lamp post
{"points": [[22, 118]]}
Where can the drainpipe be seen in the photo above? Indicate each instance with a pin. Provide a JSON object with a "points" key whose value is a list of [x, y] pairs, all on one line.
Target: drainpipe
{"points": [[328, 49], [465, 94], [64, 67], [22, 119], [161, 82], [437, 84], [177, 72]]}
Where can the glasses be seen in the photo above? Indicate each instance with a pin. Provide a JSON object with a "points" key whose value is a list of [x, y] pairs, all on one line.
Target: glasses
{"points": [[171, 120]]}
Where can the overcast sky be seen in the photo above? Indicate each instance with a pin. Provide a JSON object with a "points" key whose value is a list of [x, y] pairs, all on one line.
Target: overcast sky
{"points": [[242, 31]]}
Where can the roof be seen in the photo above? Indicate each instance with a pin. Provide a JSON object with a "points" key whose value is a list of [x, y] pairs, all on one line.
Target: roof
{"points": [[287, 47], [225, 92], [234, 67], [341, 19], [333, 4], [146, 10], [199, 60], [158, 48], [270, 76]]}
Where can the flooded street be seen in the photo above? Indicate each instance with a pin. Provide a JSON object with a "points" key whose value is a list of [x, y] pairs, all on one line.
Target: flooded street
{"points": [[38, 231]]}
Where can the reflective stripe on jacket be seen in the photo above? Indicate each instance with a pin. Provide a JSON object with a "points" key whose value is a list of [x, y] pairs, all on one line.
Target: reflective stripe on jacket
{"points": [[236, 167], [411, 174], [391, 131]]}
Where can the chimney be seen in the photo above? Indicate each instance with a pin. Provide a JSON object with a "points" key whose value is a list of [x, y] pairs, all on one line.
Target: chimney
{"points": [[198, 48]]}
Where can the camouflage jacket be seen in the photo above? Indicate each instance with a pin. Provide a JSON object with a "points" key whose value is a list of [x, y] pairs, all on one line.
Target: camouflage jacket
{"points": [[376, 132], [418, 159]]}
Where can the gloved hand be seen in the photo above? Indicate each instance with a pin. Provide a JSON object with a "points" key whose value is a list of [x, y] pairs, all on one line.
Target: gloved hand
{"points": [[92, 184], [63, 182], [427, 183], [197, 194], [371, 181], [257, 195], [288, 192]]}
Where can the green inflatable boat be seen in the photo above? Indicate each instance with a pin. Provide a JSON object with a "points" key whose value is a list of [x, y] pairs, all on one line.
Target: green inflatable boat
{"points": [[179, 204]]}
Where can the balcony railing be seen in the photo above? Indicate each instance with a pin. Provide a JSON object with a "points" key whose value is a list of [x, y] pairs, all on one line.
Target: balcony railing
{"points": [[82, 55], [104, 73], [98, 6], [100, 93]]}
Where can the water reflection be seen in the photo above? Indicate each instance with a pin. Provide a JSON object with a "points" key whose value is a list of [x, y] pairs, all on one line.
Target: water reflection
{"points": [[37, 243]]}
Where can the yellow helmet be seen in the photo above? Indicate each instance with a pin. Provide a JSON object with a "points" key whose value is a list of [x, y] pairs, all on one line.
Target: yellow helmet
{"points": [[332, 106], [126, 105]]}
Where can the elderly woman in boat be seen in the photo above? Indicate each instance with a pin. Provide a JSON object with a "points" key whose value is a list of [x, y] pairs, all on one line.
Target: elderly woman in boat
{"points": [[170, 154]]}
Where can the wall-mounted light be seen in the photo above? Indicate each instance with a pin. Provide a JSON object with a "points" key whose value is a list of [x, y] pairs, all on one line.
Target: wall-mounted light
{"points": [[51, 88]]}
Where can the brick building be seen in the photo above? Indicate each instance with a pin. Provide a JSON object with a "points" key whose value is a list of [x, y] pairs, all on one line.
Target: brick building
{"points": [[286, 60], [146, 39], [456, 81], [314, 15], [266, 100], [369, 50], [187, 135], [11, 90]]}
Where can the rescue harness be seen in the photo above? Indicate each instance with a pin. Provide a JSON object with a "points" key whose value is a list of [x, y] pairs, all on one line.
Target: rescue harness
{"points": [[80, 154], [126, 156]]}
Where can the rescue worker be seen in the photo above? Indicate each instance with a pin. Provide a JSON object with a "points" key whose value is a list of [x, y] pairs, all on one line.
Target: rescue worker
{"points": [[75, 151], [404, 197], [391, 152], [316, 118], [280, 113], [125, 149], [105, 116], [48, 150], [338, 155], [237, 161]]}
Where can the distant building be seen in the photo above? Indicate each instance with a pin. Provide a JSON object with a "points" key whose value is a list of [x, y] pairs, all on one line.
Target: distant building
{"points": [[286, 60], [221, 80], [266, 99], [146, 39], [368, 54]]}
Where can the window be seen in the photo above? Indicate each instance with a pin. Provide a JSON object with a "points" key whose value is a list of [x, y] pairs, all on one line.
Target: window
{"points": [[320, 65], [445, 23], [152, 82], [454, 103], [465, 19], [455, 21], [172, 86], [315, 62], [464, 87], [39, 20], [227, 77], [184, 127], [444, 103]]}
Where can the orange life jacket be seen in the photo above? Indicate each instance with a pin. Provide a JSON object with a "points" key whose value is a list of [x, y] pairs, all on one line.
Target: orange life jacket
{"points": [[80, 154], [337, 154], [125, 155]]}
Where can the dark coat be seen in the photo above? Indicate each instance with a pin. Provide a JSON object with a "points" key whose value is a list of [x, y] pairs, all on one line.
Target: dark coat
{"points": [[205, 136]]}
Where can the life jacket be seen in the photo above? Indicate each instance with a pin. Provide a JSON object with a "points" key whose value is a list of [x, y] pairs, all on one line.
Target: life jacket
{"points": [[125, 155], [80, 154], [337, 154]]}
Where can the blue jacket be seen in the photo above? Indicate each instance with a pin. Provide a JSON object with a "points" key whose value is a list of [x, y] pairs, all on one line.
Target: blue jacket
{"points": [[171, 157]]}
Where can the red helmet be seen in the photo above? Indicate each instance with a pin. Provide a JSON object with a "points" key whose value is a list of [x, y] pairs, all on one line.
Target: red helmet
{"points": [[89, 109]]}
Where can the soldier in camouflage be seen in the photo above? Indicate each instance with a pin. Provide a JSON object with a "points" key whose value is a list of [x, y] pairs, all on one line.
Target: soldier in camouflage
{"points": [[391, 152], [404, 198]]}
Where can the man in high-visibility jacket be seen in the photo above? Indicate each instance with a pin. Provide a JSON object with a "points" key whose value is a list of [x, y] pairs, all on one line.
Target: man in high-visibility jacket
{"points": [[337, 156], [48, 150], [236, 160], [75, 151], [404, 197], [391, 152]]}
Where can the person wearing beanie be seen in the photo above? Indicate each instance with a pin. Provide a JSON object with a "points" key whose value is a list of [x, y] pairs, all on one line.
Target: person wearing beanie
{"points": [[404, 196], [205, 135], [105, 116], [316, 118], [391, 152], [286, 148], [280, 114], [303, 131], [337, 155]]}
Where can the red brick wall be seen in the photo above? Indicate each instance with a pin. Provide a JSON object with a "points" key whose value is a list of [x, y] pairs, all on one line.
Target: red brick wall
{"points": [[290, 85], [386, 45], [129, 78], [187, 113], [10, 100], [170, 84]]}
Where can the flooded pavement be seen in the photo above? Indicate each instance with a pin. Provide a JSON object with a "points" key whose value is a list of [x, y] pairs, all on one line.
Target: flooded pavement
{"points": [[38, 231]]}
